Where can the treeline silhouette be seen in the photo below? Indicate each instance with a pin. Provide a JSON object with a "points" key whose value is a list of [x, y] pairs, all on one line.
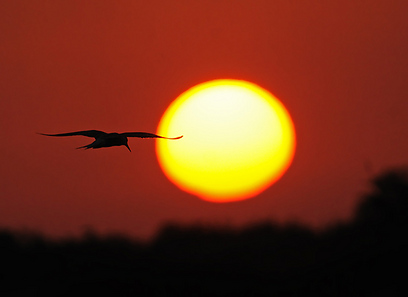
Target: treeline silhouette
{"points": [[365, 257]]}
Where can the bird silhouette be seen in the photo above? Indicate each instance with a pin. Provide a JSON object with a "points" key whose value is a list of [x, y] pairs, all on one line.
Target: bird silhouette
{"points": [[103, 139]]}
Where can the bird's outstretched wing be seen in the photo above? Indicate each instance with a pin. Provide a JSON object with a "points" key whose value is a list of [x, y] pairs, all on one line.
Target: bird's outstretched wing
{"points": [[88, 133], [146, 135]]}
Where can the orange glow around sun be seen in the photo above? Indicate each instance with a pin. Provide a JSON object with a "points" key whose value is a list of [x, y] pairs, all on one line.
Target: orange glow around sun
{"points": [[238, 140]]}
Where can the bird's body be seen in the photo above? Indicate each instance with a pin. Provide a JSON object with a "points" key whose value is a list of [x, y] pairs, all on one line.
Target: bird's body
{"points": [[103, 139]]}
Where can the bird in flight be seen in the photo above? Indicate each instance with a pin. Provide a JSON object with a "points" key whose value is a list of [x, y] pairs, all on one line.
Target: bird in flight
{"points": [[103, 139]]}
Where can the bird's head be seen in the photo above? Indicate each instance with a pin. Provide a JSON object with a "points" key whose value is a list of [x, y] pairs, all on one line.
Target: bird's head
{"points": [[126, 144]]}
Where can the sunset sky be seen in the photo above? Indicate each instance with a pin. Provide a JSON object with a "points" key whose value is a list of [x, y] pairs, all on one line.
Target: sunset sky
{"points": [[339, 67]]}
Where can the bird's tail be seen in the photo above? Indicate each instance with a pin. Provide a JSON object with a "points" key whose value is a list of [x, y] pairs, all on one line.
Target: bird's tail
{"points": [[86, 147]]}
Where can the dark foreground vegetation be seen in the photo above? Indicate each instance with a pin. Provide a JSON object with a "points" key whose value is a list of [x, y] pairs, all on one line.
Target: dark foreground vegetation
{"points": [[366, 257]]}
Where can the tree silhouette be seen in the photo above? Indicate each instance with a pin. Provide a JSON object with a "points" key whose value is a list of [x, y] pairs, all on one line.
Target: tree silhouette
{"points": [[389, 202], [361, 258]]}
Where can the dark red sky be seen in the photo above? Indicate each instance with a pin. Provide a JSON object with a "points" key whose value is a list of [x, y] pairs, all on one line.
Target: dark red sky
{"points": [[340, 68]]}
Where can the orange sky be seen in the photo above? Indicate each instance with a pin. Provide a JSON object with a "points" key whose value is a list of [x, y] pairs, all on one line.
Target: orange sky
{"points": [[340, 68]]}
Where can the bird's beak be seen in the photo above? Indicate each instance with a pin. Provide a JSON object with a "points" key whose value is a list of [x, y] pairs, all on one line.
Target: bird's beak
{"points": [[128, 147]]}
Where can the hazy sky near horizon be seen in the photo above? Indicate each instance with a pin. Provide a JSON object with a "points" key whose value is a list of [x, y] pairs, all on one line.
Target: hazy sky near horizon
{"points": [[339, 67]]}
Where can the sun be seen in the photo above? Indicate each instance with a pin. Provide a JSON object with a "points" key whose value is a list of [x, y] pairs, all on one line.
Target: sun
{"points": [[238, 140]]}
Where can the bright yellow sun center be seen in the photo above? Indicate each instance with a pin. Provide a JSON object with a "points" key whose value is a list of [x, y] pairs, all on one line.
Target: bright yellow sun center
{"points": [[238, 140]]}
